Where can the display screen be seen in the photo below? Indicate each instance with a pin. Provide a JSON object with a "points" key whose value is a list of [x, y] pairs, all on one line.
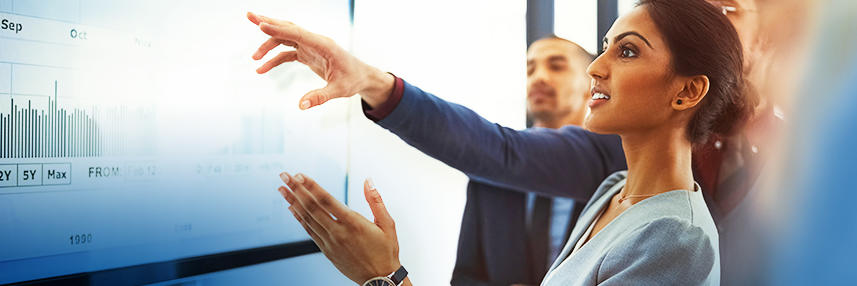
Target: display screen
{"points": [[135, 132]]}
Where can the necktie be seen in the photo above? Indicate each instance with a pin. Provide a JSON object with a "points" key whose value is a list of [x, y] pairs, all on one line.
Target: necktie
{"points": [[538, 234]]}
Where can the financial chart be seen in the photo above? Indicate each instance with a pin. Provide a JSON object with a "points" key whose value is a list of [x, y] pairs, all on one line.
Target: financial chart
{"points": [[134, 132]]}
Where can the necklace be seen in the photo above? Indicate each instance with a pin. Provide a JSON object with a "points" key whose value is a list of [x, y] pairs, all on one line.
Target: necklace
{"points": [[624, 198]]}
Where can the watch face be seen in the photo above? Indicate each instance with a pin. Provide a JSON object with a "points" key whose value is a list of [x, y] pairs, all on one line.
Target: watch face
{"points": [[379, 281]]}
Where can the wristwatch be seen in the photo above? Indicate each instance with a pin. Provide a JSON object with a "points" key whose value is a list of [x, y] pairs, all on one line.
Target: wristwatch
{"points": [[394, 279]]}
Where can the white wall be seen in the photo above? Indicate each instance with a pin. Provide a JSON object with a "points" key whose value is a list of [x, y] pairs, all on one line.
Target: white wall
{"points": [[577, 21], [470, 52], [625, 6]]}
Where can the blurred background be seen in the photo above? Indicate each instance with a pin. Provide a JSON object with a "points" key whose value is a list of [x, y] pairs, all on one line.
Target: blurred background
{"points": [[170, 143]]}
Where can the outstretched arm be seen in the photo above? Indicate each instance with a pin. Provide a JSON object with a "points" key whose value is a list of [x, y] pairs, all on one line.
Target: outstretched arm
{"points": [[569, 162]]}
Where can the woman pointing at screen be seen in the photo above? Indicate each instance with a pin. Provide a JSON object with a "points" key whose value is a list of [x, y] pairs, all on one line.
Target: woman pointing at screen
{"points": [[669, 76]]}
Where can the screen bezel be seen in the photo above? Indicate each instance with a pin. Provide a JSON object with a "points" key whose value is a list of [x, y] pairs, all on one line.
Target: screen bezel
{"points": [[181, 268]]}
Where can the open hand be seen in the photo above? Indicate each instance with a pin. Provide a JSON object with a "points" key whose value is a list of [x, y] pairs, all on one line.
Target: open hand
{"points": [[345, 75], [359, 248]]}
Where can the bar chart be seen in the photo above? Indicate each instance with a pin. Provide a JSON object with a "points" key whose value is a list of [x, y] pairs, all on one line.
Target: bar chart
{"points": [[54, 131]]}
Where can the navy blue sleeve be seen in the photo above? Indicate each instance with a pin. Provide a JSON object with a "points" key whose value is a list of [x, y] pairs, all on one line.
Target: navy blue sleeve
{"points": [[569, 162]]}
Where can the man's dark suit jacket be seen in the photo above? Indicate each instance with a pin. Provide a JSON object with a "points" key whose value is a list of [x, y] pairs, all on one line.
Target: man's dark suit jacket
{"points": [[493, 246]]}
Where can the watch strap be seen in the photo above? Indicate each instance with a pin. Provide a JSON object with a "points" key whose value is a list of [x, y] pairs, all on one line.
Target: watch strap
{"points": [[399, 275]]}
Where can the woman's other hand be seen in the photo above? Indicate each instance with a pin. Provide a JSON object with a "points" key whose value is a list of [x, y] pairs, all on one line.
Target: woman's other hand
{"points": [[359, 248], [345, 75]]}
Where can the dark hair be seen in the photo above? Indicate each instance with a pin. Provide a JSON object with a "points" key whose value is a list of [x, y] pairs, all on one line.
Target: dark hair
{"points": [[581, 52], [704, 42]]}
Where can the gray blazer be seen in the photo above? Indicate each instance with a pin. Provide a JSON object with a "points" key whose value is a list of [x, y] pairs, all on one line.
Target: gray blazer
{"points": [[668, 239]]}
